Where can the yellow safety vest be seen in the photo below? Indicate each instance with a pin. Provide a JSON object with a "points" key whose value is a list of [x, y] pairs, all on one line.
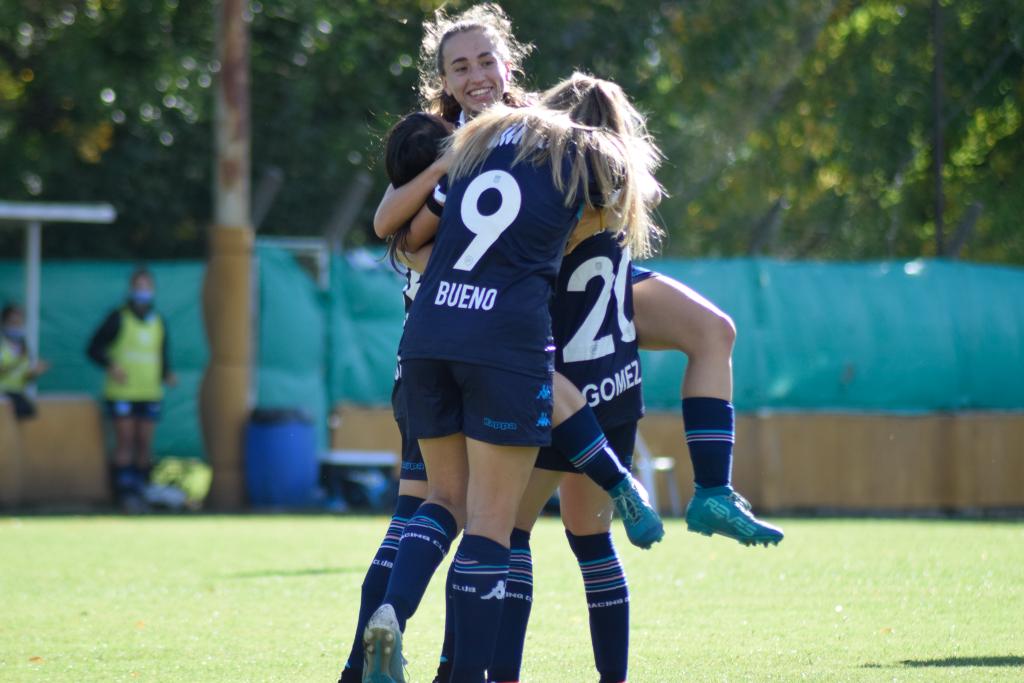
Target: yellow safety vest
{"points": [[14, 367], [138, 350]]}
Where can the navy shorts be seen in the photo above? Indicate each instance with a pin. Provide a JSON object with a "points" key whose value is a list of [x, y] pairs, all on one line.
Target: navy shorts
{"points": [[144, 410], [639, 274], [412, 459], [499, 407], [622, 439]]}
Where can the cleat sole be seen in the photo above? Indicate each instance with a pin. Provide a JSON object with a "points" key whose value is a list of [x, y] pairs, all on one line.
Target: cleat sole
{"points": [[376, 644], [705, 531]]}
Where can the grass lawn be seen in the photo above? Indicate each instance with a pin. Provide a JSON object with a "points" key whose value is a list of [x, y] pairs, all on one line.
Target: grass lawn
{"points": [[252, 598]]}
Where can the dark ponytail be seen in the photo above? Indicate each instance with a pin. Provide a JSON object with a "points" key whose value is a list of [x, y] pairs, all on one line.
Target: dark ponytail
{"points": [[412, 145]]}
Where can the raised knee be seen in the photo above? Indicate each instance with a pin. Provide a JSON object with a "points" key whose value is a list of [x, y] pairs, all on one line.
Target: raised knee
{"points": [[724, 332], [715, 335]]}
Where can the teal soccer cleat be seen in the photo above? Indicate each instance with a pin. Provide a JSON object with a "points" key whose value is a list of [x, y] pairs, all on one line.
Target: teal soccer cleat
{"points": [[643, 525], [720, 510], [382, 648]]}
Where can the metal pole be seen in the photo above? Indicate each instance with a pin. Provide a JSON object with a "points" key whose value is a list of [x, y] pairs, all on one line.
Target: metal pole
{"points": [[33, 257]]}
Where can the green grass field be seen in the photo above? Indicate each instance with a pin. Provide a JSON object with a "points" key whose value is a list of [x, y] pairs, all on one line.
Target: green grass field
{"points": [[211, 599]]}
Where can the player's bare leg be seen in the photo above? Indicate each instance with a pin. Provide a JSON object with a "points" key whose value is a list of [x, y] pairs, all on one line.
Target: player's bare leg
{"points": [[670, 315]]}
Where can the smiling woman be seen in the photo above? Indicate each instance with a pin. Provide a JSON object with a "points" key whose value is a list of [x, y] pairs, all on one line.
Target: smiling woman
{"points": [[469, 61], [472, 72]]}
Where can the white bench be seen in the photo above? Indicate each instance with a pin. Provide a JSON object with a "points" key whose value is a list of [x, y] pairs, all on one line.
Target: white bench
{"points": [[360, 458]]}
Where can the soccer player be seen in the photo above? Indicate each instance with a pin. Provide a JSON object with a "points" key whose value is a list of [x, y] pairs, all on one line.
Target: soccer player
{"points": [[596, 348], [477, 355], [131, 345]]}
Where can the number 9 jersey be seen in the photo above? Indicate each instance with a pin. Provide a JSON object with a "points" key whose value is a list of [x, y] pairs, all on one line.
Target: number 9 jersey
{"points": [[484, 296], [592, 319]]}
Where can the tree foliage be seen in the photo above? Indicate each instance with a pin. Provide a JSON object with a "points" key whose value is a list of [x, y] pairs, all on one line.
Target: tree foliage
{"points": [[796, 128]]}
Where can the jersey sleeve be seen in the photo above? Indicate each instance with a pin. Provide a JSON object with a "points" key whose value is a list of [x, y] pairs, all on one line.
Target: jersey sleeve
{"points": [[435, 202], [102, 338], [165, 353]]}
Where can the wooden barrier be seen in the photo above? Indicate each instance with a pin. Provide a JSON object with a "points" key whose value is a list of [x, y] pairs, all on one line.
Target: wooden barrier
{"points": [[836, 461], [784, 461], [10, 456], [987, 469], [62, 458], [359, 428], [864, 462]]}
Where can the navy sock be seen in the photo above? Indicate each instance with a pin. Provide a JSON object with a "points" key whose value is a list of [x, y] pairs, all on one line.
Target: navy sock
{"points": [[142, 473], [444, 664], [607, 603], [123, 481], [515, 613], [710, 434], [478, 576], [424, 544], [376, 582], [581, 440]]}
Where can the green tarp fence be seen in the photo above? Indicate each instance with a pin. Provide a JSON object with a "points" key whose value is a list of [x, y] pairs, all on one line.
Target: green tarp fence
{"points": [[919, 336]]}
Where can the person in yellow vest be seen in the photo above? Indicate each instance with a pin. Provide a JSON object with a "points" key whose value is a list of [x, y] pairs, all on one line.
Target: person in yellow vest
{"points": [[131, 345], [17, 370]]}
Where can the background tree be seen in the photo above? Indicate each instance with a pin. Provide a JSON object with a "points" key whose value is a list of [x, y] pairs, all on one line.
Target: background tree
{"points": [[795, 128]]}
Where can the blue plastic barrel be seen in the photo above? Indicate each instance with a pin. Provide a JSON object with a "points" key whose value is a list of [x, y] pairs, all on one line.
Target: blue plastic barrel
{"points": [[281, 467]]}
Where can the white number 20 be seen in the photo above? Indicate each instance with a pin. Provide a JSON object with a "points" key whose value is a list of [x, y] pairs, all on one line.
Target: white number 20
{"points": [[487, 228], [584, 345]]}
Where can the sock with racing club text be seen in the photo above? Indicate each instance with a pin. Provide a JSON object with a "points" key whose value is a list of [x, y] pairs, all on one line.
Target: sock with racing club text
{"points": [[478, 579], [515, 613], [607, 602], [425, 542], [375, 583]]}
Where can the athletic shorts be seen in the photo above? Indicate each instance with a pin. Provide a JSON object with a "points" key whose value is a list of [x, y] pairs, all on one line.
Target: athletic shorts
{"points": [[622, 439], [499, 407], [144, 410], [412, 459], [639, 274]]}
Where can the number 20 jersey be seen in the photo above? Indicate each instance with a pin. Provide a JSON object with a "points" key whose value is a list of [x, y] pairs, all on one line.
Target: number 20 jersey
{"points": [[592, 321], [485, 293]]}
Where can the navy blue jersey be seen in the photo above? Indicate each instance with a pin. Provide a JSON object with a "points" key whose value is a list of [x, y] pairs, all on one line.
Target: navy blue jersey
{"points": [[639, 273], [485, 293], [592, 321], [412, 285]]}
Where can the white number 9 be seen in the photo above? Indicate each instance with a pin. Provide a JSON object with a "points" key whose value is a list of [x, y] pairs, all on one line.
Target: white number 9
{"points": [[487, 228]]}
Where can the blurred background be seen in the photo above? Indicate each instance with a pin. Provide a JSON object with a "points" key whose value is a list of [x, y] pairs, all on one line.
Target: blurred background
{"points": [[844, 181]]}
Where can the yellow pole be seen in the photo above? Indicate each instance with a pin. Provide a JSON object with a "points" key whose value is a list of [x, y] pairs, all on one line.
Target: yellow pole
{"points": [[224, 393]]}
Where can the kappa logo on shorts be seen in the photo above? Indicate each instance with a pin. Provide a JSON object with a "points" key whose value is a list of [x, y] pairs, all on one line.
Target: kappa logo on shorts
{"points": [[543, 420], [545, 393], [497, 593], [500, 425]]}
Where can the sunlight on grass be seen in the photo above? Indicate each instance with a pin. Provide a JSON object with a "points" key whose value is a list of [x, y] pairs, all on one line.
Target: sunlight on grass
{"points": [[274, 599]]}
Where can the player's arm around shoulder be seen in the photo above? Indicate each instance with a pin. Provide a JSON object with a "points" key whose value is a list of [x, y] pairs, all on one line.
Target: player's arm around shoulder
{"points": [[400, 204]]}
